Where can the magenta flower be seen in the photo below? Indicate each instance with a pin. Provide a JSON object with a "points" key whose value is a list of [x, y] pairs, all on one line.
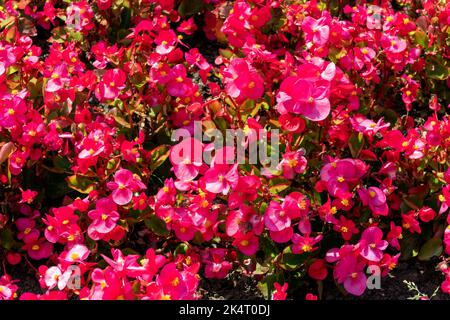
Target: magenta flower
{"points": [[248, 243], [123, 186], [221, 178], [375, 198], [316, 31], [276, 218], [349, 272], [112, 82], [77, 253], [172, 282], [166, 42], [302, 244], [104, 216], [293, 162], [372, 244], [308, 98], [38, 248], [187, 159], [216, 265], [243, 81]]}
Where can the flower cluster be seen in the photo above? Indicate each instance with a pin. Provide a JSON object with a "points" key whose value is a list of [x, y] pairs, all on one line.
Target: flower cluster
{"points": [[100, 202]]}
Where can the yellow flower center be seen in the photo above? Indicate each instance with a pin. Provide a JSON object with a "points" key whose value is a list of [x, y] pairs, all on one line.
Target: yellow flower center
{"points": [[175, 282], [74, 256]]}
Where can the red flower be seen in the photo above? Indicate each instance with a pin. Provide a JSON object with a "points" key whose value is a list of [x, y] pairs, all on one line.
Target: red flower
{"points": [[125, 183], [280, 291], [243, 81], [318, 270], [111, 84]]}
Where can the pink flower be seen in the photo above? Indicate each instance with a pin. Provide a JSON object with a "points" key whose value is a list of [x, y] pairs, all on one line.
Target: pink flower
{"points": [[112, 82], [242, 81], [318, 270], [410, 222], [244, 191], [372, 245], [248, 243], [216, 265], [280, 291], [56, 277], [187, 159], [104, 216], [293, 162], [179, 85], [304, 244], [243, 220], [342, 175], [316, 31], [349, 271], [301, 96], [183, 225], [172, 282], [7, 288], [123, 186], [77, 253], [394, 235], [39, 249], [426, 214], [376, 199], [311, 297], [221, 178], [276, 217], [104, 4], [124, 265], [28, 196], [165, 42], [346, 227], [27, 231], [368, 127]]}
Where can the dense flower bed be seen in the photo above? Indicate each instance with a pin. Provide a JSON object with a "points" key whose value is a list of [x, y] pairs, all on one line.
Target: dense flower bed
{"points": [[93, 195]]}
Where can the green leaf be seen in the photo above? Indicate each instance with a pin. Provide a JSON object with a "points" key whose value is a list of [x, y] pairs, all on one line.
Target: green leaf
{"points": [[6, 150], [80, 184], [8, 22], [266, 287], [431, 248], [158, 156], [356, 143], [291, 261], [421, 38], [277, 185], [6, 239], [437, 68], [182, 248], [157, 226], [190, 7], [408, 246]]}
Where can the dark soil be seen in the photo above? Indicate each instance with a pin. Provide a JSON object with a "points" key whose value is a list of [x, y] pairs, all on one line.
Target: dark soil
{"points": [[234, 287], [27, 279], [423, 274], [238, 287]]}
